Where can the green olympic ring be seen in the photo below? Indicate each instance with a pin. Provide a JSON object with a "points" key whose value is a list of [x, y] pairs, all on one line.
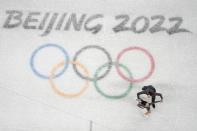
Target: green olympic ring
{"points": [[110, 96]]}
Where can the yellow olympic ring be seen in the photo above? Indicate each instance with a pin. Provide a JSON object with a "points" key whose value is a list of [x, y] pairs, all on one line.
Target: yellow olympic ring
{"points": [[61, 93]]}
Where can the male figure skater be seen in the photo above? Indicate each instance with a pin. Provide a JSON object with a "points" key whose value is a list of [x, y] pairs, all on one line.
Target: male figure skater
{"points": [[150, 91]]}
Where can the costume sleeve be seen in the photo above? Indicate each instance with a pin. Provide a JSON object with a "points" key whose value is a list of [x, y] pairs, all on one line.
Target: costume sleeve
{"points": [[159, 94], [139, 93]]}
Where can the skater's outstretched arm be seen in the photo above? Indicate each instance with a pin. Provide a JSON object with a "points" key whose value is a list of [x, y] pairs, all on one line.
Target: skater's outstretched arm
{"points": [[140, 93], [159, 94]]}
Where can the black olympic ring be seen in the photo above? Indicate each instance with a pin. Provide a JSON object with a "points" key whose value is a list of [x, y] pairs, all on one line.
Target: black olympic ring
{"points": [[89, 47]]}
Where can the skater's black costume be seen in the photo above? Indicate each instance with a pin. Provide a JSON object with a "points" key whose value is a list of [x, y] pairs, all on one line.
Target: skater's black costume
{"points": [[149, 90]]}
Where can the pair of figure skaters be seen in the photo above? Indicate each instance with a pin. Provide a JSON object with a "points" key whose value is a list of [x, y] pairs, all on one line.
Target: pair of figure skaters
{"points": [[150, 91]]}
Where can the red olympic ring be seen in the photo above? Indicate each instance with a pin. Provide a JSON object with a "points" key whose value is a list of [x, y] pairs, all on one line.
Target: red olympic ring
{"points": [[140, 49]]}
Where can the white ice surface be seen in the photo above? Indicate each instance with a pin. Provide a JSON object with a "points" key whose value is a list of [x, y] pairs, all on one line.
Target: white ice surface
{"points": [[28, 103]]}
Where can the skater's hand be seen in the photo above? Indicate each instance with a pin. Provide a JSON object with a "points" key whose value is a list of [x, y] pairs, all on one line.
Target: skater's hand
{"points": [[147, 105], [161, 100]]}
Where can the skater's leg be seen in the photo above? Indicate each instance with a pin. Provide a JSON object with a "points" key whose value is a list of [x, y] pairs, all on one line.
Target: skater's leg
{"points": [[148, 109], [153, 100]]}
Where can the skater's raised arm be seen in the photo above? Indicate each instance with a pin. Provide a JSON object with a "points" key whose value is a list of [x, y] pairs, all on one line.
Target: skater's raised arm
{"points": [[140, 93]]}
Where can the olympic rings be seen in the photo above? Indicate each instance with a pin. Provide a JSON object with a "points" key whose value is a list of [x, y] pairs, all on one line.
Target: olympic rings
{"points": [[45, 46], [140, 49], [87, 77], [61, 93], [104, 94], [96, 47]]}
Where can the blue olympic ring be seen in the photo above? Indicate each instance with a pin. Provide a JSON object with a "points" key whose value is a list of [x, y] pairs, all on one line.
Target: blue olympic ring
{"points": [[44, 46]]}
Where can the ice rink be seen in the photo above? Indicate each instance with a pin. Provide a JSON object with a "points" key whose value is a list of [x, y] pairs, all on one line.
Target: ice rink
{"points": [[38, 52]]}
